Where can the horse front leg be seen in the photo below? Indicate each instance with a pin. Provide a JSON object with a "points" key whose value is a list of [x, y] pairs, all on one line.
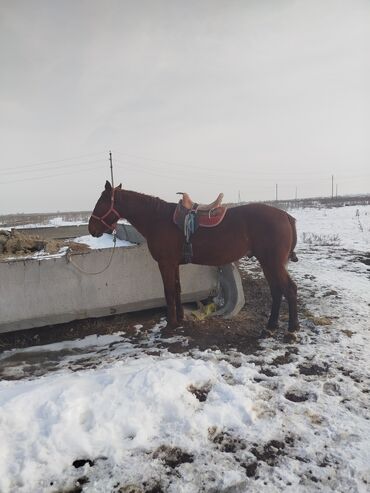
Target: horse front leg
{"points": [[179, 307], [168, 273]]}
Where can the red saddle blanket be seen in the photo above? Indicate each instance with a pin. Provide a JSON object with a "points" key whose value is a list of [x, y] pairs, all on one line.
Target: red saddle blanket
{"points": [[207, 219]]}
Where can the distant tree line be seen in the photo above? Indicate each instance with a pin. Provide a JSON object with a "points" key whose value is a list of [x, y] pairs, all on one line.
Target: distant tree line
{"points": [[13, 220]]}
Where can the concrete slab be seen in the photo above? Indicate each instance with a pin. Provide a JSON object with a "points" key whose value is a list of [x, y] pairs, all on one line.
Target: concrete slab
{"points": [[231, 289]]}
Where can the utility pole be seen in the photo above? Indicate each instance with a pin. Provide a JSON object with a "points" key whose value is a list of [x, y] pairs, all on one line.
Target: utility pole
{"points": [[239, 198], [111, 167], [336, 191], [332, 186], [296, 193], [276, 192]]}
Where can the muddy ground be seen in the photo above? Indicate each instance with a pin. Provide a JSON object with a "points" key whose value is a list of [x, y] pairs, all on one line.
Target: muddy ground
{"points": [[240, 333], [306, 367]]}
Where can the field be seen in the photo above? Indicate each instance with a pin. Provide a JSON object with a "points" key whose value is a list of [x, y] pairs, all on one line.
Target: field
{"points": [[125, 405]]}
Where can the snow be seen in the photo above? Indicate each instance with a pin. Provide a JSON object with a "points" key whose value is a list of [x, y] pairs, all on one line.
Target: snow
{"points": [[105, 241], [129, 412], [56, 222], [149, 404], [351, 224], [52, 223]]}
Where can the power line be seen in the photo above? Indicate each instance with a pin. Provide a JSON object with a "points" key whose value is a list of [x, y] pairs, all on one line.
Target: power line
{"points": [[185, 172], [226, 170], [230, 173], [201, 167], [42, 177], [43, 163], [217, 178], [74, 165], [184, 177], [214, 179]]}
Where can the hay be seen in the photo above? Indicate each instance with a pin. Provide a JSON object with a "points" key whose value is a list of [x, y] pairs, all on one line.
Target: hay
{"points": [[15, 243]]}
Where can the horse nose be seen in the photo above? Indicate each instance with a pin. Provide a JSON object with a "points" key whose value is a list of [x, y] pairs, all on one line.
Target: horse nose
{"points": [[93, 230]]}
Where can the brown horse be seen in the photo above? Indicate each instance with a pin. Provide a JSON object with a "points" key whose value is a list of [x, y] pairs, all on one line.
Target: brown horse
{"points": [[257, 230]]}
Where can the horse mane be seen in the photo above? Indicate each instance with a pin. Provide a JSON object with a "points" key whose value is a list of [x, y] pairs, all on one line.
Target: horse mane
{"points": [[156, 204]]}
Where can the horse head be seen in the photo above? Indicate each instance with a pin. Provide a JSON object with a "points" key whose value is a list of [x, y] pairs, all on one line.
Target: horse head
{"points": [[105, 216]]}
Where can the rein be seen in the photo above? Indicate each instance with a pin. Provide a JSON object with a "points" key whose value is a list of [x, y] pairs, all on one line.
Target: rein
{"points": [[70, 260]]}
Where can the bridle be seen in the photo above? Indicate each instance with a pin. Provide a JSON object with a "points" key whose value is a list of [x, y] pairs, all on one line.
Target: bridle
{"points": [[112, 227]]}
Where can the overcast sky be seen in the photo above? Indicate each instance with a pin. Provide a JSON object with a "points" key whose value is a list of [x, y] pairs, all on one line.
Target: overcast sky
{"points": [[198, 96]]}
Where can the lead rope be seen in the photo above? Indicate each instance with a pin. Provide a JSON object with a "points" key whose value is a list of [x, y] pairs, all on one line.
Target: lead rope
{"points": [[69, 259]]}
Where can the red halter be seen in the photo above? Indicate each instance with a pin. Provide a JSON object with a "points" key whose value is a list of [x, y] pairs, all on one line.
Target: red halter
{"points": [[111, 209]]}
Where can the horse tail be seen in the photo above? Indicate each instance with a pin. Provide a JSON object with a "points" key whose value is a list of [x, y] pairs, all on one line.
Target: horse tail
{"points": [[292, 256]]}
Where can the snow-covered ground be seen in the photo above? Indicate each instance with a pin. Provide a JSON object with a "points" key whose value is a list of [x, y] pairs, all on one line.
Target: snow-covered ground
{"points": [[288, 417]]}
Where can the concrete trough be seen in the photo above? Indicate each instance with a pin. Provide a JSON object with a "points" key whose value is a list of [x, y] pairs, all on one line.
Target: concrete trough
{"points": [[48, 291], [62, 232]]}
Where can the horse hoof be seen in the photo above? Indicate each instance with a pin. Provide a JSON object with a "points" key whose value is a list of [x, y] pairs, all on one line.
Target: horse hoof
{"points": [[266, 333], [172, 325], [290, 337], [294, 328]]}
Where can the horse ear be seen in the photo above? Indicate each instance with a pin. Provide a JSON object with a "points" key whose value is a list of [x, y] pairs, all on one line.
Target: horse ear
{"points": [[108, 186], [120, 185]]}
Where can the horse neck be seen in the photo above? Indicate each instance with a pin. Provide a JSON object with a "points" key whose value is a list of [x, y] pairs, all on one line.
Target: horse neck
{"points": [[142, 211]]}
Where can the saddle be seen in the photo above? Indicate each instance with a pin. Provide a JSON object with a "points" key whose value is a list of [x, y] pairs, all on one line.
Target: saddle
{"points": [[189, 204], [189, 216]]}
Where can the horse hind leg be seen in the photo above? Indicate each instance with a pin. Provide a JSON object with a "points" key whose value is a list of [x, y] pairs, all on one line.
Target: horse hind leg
{"points": [[290, 293], [280, 284], [276, 295]]}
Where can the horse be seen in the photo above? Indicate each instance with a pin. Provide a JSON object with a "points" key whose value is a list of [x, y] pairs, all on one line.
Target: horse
{"points": [[255, 229]]}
